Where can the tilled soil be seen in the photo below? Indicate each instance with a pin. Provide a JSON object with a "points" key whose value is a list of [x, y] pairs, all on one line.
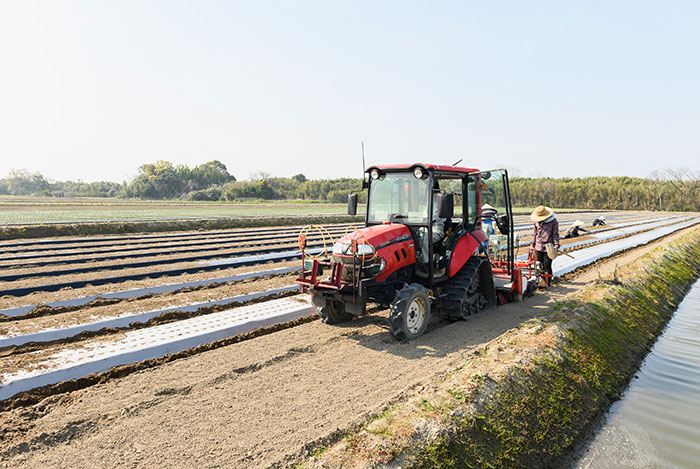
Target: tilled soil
{"points": [[95, 255], [172, 258], [261, 402], [47, 297], [28, 245], [91, 313]]}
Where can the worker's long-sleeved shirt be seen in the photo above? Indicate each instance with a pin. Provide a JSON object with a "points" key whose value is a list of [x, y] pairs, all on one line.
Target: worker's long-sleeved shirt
{"points": [[545, 233]]}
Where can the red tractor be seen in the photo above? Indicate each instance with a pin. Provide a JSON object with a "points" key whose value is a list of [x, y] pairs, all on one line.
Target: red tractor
{"points": [[417, 254]]}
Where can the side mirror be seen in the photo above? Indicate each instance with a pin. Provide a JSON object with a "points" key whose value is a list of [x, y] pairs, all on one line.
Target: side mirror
{"points": [[352, 204], [446, 205], [503, 224]]}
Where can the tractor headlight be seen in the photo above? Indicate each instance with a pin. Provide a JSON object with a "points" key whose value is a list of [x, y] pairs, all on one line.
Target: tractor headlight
{"points": [[418, 173], [374, 174], [365, 250], [340, 248], [343, 249], [382, 265]]}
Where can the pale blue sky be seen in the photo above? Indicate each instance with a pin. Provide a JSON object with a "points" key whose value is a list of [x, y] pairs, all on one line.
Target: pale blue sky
{"points": [[92, 89]]}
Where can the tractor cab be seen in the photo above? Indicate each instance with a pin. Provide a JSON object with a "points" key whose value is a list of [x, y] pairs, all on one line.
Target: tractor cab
{"points": [[426, 245]]}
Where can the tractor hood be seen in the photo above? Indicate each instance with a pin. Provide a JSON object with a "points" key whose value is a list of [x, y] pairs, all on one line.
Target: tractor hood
{"points": [[378, 236]]}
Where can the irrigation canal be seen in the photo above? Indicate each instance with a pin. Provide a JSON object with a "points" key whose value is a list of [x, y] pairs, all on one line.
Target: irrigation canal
{"points": [[657, 421]]}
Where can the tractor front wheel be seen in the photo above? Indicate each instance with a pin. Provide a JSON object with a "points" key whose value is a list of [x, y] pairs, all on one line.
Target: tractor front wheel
{"points": [[410, 312], [333, 313]]}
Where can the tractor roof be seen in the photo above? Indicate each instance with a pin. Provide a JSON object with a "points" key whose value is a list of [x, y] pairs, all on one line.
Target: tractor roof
{"points": [[436, 167]]}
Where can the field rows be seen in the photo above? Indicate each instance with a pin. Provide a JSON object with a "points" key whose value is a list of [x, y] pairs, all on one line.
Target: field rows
{"points": [[55, 213], [223, 290]]}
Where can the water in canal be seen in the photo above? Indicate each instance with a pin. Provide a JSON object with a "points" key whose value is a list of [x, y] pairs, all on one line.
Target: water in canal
{"points": [[657, 421]]}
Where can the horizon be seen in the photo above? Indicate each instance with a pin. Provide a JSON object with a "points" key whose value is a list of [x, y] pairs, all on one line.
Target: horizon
{"points": [[659, 174], [92, 90]]}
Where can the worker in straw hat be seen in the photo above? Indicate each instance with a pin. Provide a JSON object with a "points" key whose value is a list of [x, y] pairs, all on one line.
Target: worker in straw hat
{"points": [[546, 231], [573, 230]]}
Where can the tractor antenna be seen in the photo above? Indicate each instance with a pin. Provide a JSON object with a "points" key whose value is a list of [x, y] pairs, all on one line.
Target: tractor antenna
{"points": [[365, 183], [457, 162], [363, 159]]}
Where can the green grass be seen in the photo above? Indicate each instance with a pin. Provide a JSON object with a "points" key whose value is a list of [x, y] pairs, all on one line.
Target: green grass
{"points": [[318, 451]]}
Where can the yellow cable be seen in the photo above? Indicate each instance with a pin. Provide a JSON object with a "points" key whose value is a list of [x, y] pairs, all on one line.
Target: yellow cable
{"points": [[364, 242], [325, 237]]}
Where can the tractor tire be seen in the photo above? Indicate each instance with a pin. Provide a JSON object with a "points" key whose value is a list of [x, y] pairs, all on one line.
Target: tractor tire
{"points": [[469, 292], [333, 313], [409, 312]]}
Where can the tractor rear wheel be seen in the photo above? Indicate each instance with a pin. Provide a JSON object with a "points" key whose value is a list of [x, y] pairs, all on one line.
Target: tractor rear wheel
{"points": [[333, 313], [410, 312], [474, 301]]}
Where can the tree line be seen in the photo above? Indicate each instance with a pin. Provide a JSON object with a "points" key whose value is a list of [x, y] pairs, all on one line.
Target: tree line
{"points": [[662, 192], [671, 189]]}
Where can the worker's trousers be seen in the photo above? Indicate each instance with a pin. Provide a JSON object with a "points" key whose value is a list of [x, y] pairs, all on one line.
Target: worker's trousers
{"points": [[546, 263]]}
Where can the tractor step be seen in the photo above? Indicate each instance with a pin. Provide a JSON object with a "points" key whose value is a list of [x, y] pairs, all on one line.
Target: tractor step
{"points": [[502, 284]]}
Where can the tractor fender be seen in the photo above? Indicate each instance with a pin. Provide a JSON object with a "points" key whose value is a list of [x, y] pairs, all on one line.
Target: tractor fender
{"points": [[464, 249]]}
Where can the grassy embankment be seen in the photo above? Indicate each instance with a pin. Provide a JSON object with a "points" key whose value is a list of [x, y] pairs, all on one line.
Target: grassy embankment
{"points": [[546, 382]]}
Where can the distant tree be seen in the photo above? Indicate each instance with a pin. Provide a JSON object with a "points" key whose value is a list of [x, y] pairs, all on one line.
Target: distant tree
{"points": [[299, 178], [22, 182], [157, 181], [259, 175], [265, 191], [684, 181], [230, 194], [212, 173]]}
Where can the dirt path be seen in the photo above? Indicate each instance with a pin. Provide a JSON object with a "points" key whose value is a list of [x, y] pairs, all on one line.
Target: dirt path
{"points": [[259, 402]]}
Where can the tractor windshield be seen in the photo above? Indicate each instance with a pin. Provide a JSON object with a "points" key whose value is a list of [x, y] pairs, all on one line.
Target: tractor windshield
{"points": [[398, 197]]}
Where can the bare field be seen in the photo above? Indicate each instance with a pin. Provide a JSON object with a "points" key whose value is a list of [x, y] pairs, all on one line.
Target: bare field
{"points": [[262, 398], [37, 210]]}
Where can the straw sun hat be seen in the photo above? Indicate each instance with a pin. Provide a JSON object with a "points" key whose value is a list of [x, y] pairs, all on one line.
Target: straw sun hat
{"points": [[541, 213], [488, 207], [578, 223]]}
